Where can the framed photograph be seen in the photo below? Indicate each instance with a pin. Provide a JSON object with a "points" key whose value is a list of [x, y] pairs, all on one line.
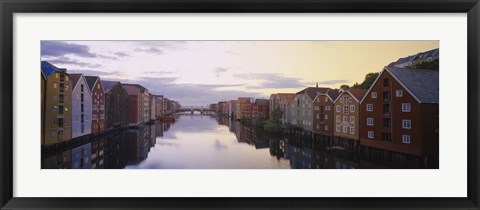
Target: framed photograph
{"points": [[239, 105]]}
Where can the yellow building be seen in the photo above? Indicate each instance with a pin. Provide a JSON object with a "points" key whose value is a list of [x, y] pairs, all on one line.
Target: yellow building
{"points": [[347, 118], [56, 104]]}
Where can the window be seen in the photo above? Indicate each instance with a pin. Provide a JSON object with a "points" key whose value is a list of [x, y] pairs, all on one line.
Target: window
{"points": [[337, 128], [374, 94], [345, 119], [406, 107], [386, 109], [369, 107], [387, 137], [406, 124], [318, 116], [352, 108], [352, 119], [81, 107], [62, 87], [98, 86], [370, 135], [344, 129], [406, 139], [327, 108], [352, 130], [338, 108], [399, 93], [338, 118], [325, 127], [326, 117], [386, 82], [81, 97], [345, 109], [386, 95], [326, 99], [370, 121], [61, 98], [81, 87], [60, 109], [386, 122], [54, 85]]}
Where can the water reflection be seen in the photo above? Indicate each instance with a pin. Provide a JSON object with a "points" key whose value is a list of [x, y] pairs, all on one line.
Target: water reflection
{"points": [[206, 142]]}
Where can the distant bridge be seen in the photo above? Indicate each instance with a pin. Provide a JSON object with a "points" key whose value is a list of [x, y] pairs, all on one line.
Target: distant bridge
{"points": [[196, 109]]}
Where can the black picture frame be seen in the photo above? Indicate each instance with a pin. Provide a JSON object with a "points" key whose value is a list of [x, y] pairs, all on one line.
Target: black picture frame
{"points": [[10, 7]]}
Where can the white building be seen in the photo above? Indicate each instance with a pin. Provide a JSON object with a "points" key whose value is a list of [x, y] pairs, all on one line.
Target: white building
{"points": [[81, 106]]}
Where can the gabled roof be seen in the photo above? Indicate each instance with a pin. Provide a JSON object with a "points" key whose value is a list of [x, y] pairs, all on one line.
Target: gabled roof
{"points": [[107, 85], [333, 94], [131, 90], [356, 94], [141, 88], [244, 100], [262, 102], [91, 80], [423, 84], [75, 78], [287, 97], [48, 68], [312, 92]]}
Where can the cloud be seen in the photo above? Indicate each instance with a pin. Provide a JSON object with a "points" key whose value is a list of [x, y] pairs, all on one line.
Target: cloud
{"points": [[270, 80], [59, 48], [152, 50], [66, 60], [156, 73], [218, 71], [332, 82], [192, 94], [95, 73], [122, 54]]}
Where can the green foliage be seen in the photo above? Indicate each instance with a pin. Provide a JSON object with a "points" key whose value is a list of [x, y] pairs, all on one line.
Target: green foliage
{"points": [[261, 118], [367, 82], [271, 127], [276, 116], [434, 64]]}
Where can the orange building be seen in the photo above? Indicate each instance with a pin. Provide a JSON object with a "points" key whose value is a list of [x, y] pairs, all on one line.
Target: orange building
{"points": [[347, 118]]}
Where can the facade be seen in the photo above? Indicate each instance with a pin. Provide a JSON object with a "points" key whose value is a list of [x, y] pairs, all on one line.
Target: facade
{"points": [[347, 118], [323, 114], [301, 108], [167, 103], [243, 108], [158, 106], [135, 105], [232, 107], [221, 108], [282, 102], [116, 105], [260, 106], [153, 104], [98, 104], [81, 106], [56, 104], [145, 104], [400, 112]]}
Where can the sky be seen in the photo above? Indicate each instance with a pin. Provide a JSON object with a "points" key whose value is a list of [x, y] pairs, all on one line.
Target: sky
{"points": [[197, 73]]}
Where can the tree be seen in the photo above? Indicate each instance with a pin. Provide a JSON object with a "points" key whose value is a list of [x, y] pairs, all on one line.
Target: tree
{"points": [[276, 116], [344, 87], [261, 118], [369, 79]]}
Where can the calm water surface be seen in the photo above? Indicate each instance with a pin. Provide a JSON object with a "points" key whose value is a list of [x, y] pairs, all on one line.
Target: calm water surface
{"points": [[207, 142], [198, 141]]}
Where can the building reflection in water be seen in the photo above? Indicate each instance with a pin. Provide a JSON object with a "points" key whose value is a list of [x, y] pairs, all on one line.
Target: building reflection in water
{"points": [[130, 147]]}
